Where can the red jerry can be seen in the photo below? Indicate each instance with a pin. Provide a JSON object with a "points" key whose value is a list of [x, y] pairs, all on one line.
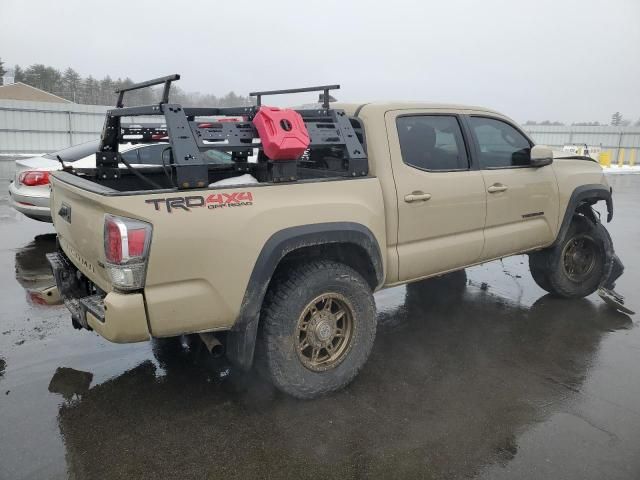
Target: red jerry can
{"points": [[282, 133]]}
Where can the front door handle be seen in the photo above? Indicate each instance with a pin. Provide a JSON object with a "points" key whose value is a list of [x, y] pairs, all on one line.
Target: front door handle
{"points": [[497, 187], [417, 196]]}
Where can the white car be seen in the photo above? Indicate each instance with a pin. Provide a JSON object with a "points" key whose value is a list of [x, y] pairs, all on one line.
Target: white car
{"points": [[29, 192]]}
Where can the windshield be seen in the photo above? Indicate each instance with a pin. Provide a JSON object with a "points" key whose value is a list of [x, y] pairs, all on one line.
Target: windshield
{"points": [[76, 152]]}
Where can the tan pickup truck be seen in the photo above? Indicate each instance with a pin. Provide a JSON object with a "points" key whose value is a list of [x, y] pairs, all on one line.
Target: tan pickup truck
{"points": [[286, 265]]}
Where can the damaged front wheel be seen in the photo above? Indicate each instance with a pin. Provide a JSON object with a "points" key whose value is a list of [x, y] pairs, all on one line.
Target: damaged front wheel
{"points": [[577, 265]]}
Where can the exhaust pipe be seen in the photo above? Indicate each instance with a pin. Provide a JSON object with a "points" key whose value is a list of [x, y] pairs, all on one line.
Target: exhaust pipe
{"points": [[216, 349]]}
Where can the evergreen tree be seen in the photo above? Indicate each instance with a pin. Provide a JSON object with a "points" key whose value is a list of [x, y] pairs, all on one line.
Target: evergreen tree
{"points": [[71, 82], [107, 95], [44, 78], [18, 74], [616, 119], [90, 91], [72, 86], [2, 71]]}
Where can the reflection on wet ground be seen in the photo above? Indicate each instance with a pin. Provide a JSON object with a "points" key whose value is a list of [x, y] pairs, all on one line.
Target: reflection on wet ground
{"points": [[70, 383], [479, 376], [33, 271]]}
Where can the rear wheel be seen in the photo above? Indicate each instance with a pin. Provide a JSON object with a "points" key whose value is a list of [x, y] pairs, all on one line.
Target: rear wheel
{"points": [[317, 328]]}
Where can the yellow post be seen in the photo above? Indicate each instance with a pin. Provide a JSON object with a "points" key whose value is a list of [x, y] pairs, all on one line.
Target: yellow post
{"points": [[620, 157], [605, 158], [632, 158]]}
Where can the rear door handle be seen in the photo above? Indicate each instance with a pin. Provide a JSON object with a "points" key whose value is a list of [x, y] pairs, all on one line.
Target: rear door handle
{"points": [[417, 197], [497, 187]]}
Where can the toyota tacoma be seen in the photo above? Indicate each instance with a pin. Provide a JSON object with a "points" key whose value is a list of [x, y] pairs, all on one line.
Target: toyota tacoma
{"points": [[277, 253]]}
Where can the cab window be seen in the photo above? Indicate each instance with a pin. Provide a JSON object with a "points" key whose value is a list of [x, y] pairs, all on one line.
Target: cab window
{"points": [[500, 144], [432, 142]]}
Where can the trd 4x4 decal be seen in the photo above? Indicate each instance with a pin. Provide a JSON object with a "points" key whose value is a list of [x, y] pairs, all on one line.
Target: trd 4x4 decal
{"points": [[213, 201]]}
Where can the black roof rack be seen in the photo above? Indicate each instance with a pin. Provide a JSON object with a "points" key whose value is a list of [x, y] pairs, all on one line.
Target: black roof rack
{"points": [[190, 138]]}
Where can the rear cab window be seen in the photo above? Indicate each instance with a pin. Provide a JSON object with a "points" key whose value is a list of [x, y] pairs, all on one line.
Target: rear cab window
{"points": [[432, 142]]}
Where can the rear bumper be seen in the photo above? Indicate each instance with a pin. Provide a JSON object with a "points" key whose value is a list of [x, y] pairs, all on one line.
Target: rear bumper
{"points": [[118, 317], [124, 321], [33, 206]]}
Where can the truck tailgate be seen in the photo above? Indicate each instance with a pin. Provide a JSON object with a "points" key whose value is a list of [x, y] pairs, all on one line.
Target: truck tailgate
{"points": [[78, 216]]}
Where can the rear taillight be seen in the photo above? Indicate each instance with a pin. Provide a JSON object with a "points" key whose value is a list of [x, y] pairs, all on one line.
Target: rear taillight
{"points": [[33, 178], [126, 248]]}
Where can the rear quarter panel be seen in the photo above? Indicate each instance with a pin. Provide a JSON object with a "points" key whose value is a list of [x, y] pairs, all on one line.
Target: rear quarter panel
{"points": [[201, 260]]}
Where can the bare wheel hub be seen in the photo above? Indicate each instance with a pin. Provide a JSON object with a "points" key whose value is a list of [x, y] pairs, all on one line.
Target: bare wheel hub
{"points": [[324, 332], [579, 257]]}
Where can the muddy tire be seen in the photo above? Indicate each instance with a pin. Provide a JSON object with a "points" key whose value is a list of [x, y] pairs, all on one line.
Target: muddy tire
{"points": [[577, 265], [317, 328]]}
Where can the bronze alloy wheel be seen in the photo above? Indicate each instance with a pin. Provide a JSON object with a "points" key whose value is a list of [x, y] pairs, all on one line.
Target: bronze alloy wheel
{"points": [[324, 332], [579, 257]]}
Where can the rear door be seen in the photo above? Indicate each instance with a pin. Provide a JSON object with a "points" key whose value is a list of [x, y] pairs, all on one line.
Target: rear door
{"points": [[441, 199], [522, 201]]}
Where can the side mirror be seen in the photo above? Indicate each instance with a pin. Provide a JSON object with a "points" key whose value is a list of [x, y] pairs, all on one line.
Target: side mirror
{"points": [[541, 156]]}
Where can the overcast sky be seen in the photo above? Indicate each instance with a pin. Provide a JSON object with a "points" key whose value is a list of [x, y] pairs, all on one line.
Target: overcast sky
{"points": [[535, 59]]}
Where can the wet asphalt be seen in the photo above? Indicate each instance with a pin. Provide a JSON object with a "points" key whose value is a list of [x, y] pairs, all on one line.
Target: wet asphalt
{"points": [[480, 375]]}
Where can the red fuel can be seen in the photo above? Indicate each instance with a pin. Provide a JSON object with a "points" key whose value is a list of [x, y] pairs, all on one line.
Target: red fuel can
{"points": [[282, 133]]}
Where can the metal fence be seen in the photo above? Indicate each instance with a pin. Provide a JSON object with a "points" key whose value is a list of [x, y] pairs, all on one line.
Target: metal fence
{"points": [[620, 144], [42, 127], [39, 127]]}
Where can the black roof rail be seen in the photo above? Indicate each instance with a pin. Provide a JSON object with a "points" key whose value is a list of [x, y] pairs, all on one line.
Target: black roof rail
{"points": [[149, 83], [322, 88]]}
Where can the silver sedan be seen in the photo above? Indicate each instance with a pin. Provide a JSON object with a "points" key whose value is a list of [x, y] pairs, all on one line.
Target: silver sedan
{"points": [[29, 192]]}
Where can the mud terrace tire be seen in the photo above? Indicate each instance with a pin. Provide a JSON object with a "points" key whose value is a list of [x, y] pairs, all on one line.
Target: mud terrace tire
{"points": [[286, 300], [547, 265]]}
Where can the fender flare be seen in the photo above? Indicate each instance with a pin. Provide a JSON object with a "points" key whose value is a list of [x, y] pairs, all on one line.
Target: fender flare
{"points": [[590, 194], [241, 339]]}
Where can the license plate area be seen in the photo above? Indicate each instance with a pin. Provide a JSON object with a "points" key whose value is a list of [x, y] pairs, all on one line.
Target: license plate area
{"points": [[77, 292]]}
